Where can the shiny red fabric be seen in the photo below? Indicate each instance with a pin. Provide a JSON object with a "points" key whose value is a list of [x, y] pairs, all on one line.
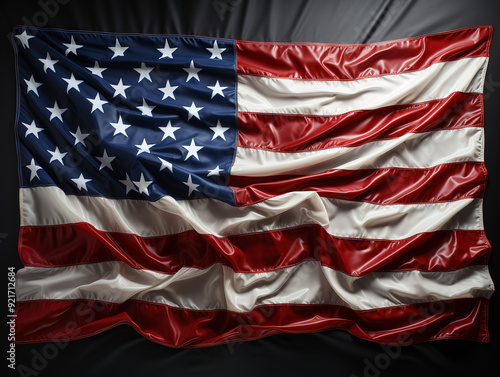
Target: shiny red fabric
{"points": [[349, 62], [64, 245], [81, 243], [295, 133], [73, 319], [381, 186]]}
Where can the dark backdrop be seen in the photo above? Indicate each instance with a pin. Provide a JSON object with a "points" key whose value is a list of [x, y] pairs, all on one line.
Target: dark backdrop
{"points": [[121, 351]]}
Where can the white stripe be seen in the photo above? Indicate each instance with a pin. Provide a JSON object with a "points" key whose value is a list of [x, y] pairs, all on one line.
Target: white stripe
{"points": [[219, 287], [413, 150], [50, 206], [287, 96]]}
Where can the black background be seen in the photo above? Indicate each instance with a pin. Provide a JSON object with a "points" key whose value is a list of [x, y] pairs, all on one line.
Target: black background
{"points": [[121, 351]]}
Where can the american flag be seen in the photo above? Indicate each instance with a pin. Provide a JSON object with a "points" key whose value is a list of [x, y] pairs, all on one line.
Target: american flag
{"points": [[209, 190]]}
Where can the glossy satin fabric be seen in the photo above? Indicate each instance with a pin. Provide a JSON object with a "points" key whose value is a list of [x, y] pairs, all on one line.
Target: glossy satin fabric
{"points": [[300, 132], [341, 218], [354, 61], [463, 318], [419, 150], [219, 287], [358, 205], [279, 95]]}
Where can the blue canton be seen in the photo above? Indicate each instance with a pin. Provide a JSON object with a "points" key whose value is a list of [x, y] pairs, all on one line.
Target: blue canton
{"points": [[126, 116]]}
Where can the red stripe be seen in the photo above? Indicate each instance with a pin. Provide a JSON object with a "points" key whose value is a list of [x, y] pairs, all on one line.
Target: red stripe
{"points": [[317, 61], [295, 133], [63, 320], [65, 245], [381, 186]]}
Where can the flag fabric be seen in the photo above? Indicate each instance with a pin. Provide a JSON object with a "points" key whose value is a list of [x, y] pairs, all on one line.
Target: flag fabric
{"points": [[208, 190]]}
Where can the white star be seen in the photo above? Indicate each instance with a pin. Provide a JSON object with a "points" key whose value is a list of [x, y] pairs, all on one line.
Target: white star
{"points": [[192, 150], [96, 70], [79, 136], [168, 131], [146, 109], [192, 72], [97, 103], [166, 52], [24, 37], [217, 89], [215, 171], [34, 169], [81, 182], [120, 89], [142, 185], [73, 83], [191, 185], [48, 63], [106, 161], [193, 111], [57, 155], [144, 72], [168, 91], [72, 47], [120, 127], [118, 50], [32, 129], [128, 183], [144, 147], [216, 51], [165, 164], [56, 112], [32, 85], [219, 131]]}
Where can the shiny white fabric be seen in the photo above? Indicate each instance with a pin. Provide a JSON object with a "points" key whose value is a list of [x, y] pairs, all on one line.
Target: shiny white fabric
{"points": [[219, 287], [343, 218], [287, 96], [413, 150]]}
